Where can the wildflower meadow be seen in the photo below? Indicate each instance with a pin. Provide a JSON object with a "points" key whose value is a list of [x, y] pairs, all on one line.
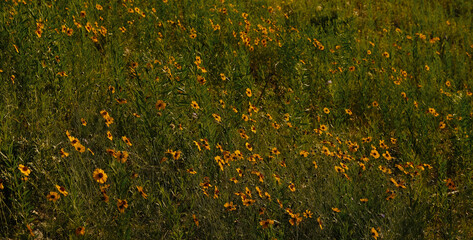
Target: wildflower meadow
{"points": [[236, 119]]}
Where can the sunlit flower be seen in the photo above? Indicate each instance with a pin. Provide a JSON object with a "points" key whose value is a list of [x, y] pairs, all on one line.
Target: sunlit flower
{"points": [[248, 92], [304, 153], [126, 140], [100, 176], [62, 190], [249, 146], [292, 187], [109, 135], [326, 111], [275, 151], [64, 153], [84, 122], [308, 214], [217, 117], [176, 155], [374, 233], [24, 169], [229, 206], [374, 153], [195, 105]]}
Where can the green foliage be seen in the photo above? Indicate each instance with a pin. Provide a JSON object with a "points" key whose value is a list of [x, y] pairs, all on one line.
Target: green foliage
{"points": [[236, 119]]}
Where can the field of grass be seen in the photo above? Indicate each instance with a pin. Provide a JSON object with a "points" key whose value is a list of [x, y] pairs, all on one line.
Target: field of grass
{"points": [[236, 119]]}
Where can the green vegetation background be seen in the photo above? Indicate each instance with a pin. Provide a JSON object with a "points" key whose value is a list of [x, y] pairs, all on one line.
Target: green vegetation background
{"points": [[394, 78]]}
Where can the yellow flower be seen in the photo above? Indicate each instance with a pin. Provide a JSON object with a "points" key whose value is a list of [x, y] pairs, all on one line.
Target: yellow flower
{"points": [[320, 222], [122, 205], [84, 123], [53, 196], [292, 187], [62, 190], [304, 153], [99, 7], [386, 54], [24, 169], [127, 141], [326, 110], [100, 176], [175, 154], [374, 153], [140, 190], [336, 210], [348, 111], [195, 105], [248, 92], [109, 135], [64, 153], [308, 214], [121, 156], [374, 233], [249, 146], [229, 206], [217, 117]]}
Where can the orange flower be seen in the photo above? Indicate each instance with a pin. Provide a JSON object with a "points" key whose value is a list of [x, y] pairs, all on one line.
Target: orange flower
{"points": [[80, 231], [53, 196], [160, 105], [140, 190], [266, 223], [122, 205]]}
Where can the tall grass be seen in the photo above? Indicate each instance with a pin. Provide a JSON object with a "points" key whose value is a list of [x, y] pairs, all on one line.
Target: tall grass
{"points": [[315, 120]]}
